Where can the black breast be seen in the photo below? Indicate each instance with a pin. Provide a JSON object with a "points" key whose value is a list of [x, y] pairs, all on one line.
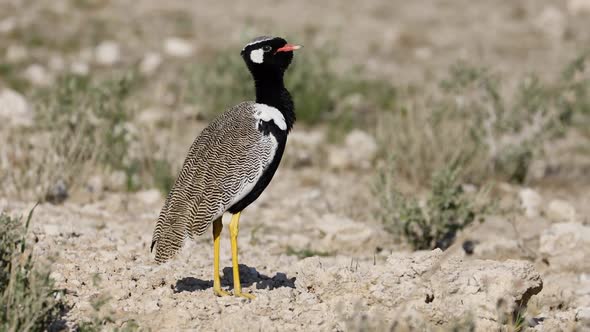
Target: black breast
{"points": [[267, 128]]}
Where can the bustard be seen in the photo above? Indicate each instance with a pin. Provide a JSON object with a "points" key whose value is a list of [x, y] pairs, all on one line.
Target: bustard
{"points": [[232, 161]]}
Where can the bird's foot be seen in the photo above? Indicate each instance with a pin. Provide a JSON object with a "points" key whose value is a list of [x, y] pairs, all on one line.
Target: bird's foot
{"points": [[220, 292], [246, 295]]}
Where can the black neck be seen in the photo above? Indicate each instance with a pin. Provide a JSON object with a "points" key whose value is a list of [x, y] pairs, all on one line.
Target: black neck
{"points": [[270, 90]]}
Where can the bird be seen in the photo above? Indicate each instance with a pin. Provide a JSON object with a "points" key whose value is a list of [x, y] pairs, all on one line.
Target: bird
{"points": [[231, 162]]}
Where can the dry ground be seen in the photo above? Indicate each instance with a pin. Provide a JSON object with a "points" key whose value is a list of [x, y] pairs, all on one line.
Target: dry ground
{"points": [[99, 239]]}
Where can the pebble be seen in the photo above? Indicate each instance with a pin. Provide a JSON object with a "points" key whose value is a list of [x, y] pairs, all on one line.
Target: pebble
{"points": [[79, 68], [7, 25], [37, 75], [150, 63], [14, 109], [107, 53], [530, 201], [552, 22], [178, 47], [561, 211]]}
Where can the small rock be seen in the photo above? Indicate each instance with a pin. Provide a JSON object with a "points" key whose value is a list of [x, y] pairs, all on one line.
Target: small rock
{"points": [[578, 6], [107, 53], [150, 62], [57, 193], [151, 117], [468, 247], [178, 47], [95, 184], [359, 151], [7, 25], [561, 211], [469, 188], [37, 75], [565, 246], [14, 109], [552, 22], [362, 142], [79, 68], [149, 197], [530, 201]]}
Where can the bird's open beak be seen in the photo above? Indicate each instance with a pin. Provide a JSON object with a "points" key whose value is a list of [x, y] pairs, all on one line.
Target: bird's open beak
{"points": [[289, 48]]}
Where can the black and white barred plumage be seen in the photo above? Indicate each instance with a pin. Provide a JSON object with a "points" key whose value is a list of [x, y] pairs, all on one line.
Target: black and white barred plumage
{"points": [[223, 164], [234, 158]]}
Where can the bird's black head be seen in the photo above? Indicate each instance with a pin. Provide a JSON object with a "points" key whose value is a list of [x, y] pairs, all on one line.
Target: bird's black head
{"points": [[268, 55]]}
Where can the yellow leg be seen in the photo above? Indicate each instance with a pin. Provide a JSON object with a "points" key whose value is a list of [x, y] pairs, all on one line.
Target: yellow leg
{"points": [[217, 227], [233, 233]]}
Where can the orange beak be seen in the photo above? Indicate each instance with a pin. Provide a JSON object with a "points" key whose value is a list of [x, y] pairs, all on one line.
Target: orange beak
{"points": [[289, 48]]}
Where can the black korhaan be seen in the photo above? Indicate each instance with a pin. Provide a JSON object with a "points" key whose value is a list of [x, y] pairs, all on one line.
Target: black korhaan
{"points": [[232, 161]]}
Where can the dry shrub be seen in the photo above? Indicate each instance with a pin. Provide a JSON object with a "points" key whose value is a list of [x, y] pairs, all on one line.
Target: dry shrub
{"points": [[491, 127], [80, 125], [28, 299], [479, 124]]}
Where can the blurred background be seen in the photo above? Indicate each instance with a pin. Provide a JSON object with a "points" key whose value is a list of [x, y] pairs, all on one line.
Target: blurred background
{"points": [[421, 125]]}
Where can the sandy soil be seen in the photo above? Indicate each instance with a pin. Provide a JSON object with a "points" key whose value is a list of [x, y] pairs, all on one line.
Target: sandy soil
{"points": [[100, 241]]}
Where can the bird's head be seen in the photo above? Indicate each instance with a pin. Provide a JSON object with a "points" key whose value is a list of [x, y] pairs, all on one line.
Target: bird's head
{"points": [[268, 54]]}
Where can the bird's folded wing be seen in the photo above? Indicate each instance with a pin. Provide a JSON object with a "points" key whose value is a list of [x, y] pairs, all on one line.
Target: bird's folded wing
{"points": [[223, 164]]}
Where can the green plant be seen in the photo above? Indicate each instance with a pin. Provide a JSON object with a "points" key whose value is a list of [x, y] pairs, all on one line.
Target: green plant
{"points": [[28, 299], [518, 322], [10, 74], [434, 224]]}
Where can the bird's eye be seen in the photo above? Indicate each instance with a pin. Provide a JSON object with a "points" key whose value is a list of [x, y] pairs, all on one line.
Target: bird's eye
{"points": [[267, 48]]}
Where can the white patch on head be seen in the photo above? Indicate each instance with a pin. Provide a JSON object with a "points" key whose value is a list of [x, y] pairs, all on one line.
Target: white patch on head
{"points": [[258, 41], [266, 113], [257, 55]]}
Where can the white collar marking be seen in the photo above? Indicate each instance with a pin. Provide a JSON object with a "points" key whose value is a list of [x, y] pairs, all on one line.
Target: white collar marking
{"points": [[257, 56], [266, 113]]}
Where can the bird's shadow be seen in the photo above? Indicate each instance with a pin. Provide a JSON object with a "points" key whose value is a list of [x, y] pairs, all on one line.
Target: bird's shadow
{"points": [[248, 277]]}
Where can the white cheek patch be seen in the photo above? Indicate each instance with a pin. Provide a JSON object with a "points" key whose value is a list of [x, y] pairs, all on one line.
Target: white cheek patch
{"points": [[257, 55], [266, 113]]}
